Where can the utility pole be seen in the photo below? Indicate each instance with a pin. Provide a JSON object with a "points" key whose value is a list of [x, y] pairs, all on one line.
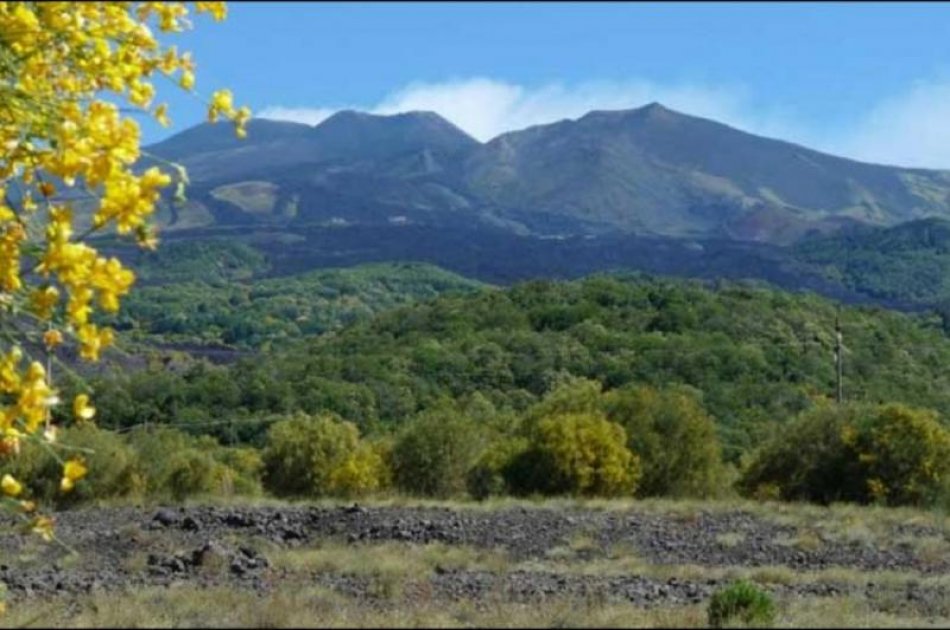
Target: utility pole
{"points": [[839, 357]]}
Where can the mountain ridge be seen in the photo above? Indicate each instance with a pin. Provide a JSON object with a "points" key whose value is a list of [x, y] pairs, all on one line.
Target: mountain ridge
{"points": [[645, 189], [648, 171], [652, 107]]}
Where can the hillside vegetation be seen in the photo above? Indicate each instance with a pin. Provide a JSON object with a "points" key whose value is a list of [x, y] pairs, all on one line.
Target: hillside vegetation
{"points": [[236, 304], [909, 263], [755, 356]]}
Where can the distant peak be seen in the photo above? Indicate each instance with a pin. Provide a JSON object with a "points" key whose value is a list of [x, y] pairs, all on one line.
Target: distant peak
{"points": [[656, 110], [650, 111], [356, 115], [420, 113], [347, 114], [414, 123]]}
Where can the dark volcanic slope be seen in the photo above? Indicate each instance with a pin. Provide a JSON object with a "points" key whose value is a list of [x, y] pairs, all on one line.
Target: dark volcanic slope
{"points": [[649, 171], [214, 153], [653, 169]]}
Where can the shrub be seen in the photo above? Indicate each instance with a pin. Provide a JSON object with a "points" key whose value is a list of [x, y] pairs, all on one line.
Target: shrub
{"points": [[889, 454], [741, 601], [576, 453], [904, 455], [434, 452], [246, 466], [318, 456], [673, 436], [176, 465], [363, 470], [192, 472], [487, 477], [807, 460], [110, 461], [149, 463]]}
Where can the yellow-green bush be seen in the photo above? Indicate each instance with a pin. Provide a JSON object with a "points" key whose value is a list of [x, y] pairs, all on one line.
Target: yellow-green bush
{"points": [[668, 430], [433, 453], [362, 471], [193, 472], [904, 455], [110, 461], [807, 460], [576, 453], [153, 463], [889, 454], [487, 477], [319, 456], [175, 465], [673, 436], [245, 465]]}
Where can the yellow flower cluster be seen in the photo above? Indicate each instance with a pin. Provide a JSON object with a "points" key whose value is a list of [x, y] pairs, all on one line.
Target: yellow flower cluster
{"points": [[28, 392], [69, 74], [222, 104]]}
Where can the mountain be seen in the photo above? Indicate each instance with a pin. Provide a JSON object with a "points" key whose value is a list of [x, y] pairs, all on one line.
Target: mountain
{"points": [[359, 136], [653, 170], [647, 189], [212, 153], [647, 171]]}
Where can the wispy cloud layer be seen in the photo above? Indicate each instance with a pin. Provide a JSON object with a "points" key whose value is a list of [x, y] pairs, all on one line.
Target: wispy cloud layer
{"points": [[306, 115], [911, 129], [486, 108]]}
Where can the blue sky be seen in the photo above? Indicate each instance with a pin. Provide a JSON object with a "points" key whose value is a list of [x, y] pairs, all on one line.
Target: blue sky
{"points": [[870, 81]]}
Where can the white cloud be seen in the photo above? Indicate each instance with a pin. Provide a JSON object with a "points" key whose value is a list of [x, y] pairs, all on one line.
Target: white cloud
{"points": [[485, 107], [305, 115], [482, 107], [910, 129]]}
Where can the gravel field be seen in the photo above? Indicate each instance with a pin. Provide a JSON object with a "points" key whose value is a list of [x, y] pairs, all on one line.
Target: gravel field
{"points": [[521, 554]]}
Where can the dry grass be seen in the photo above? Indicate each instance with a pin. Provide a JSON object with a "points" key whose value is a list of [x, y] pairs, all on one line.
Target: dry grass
{"points": [[403, 560], [618, 561], [299, 607], [806, 540], [295, 606], [928, 549], [847, 612], [393, 561], [729, 540]]}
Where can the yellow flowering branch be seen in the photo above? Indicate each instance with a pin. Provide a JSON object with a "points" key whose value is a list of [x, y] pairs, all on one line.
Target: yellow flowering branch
{"points": [[59, 134]]}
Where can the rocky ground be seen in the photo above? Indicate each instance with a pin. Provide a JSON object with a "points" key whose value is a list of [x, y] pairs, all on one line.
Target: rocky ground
{"points": [[519, 553]]}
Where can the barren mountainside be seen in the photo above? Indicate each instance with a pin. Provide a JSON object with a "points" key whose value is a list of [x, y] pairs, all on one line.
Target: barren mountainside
{"points": [[647, 171]]}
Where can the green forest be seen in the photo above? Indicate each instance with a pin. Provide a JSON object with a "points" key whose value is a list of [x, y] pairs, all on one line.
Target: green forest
{"points": [[251, 313], [225, 293], [610, 385], [908, 263]]}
